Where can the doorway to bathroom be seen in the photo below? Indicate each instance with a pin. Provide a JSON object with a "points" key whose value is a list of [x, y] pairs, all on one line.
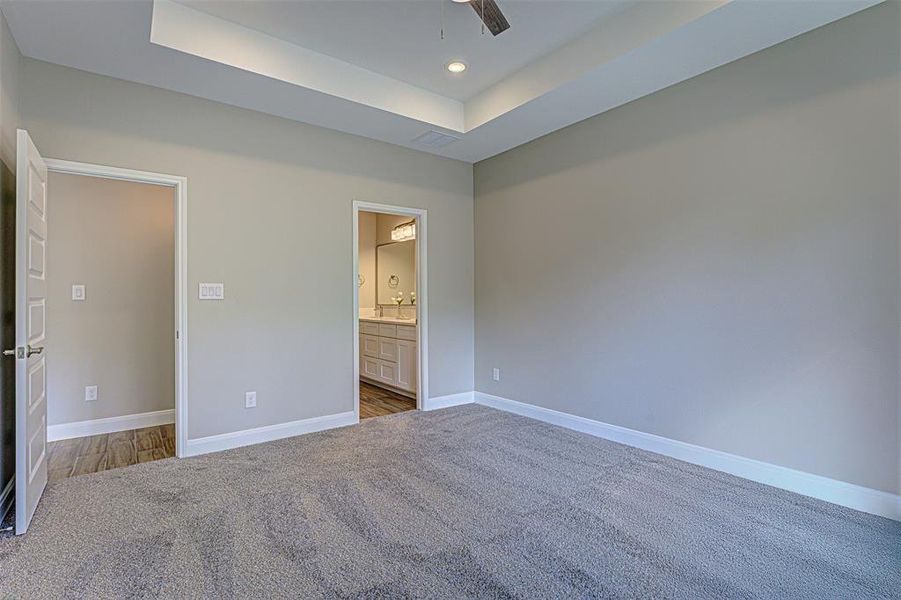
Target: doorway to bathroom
{"points": [[390, 309]]}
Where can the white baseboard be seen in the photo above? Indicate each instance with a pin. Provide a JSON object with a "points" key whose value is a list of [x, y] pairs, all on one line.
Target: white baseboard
{"points": [[7, 496], [246, 437], [66, 431], [449, 400], [831, 490]]}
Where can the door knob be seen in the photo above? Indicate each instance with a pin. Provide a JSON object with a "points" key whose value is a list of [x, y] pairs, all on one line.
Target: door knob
{"points": [[21, 352]]}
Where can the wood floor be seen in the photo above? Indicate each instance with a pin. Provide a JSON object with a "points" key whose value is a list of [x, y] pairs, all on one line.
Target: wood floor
{"points": [[79, 456], [378, 402]]}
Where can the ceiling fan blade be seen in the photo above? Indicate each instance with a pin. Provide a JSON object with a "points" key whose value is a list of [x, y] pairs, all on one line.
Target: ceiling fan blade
{"points": [[493, 18]]}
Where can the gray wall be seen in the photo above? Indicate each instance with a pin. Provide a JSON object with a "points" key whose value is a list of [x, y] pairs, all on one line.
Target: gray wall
{"points": [[270, 215], [716, 263], [9, 120], [117, 238]]}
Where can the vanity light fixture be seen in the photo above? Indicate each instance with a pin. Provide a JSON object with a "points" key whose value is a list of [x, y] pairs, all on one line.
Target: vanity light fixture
{"points": [[404, 232], [456, 66]]}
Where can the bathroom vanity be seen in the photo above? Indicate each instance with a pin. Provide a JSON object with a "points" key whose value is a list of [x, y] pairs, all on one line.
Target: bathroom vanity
{"points": [[388, 354]]}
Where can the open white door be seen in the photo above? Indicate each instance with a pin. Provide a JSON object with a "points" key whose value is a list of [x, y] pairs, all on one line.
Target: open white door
{"points": [[31, 296]]}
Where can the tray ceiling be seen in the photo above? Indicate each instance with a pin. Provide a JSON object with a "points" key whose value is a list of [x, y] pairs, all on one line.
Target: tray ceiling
{"points": [[376, 68]]}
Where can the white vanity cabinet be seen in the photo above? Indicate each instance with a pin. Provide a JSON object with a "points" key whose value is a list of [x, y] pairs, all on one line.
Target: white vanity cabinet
{"points": [[388, 354]]}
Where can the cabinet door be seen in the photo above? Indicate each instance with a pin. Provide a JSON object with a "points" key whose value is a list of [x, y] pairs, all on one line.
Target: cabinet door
{"points": [[406, 365], [369, 367], [369, 345], [387, 349]]}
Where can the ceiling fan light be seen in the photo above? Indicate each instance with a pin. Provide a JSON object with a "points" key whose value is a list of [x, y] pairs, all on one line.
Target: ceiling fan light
{"points": [[456, 66]]}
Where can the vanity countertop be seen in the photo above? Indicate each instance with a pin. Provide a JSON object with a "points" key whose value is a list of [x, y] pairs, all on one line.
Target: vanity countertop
{"points": [[392, 320]]}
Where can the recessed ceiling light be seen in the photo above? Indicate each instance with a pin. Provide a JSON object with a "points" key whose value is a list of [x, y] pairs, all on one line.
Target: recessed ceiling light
{"points": [[456, 67], [461, 1]]}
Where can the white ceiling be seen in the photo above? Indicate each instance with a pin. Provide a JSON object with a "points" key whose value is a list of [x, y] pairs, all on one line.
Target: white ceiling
{"points": [[402, 38], [376, 68]]}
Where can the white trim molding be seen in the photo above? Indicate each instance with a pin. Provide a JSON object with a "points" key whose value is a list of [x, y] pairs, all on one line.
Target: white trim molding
{"points": [[846, 494], [268, 433], [7, 496], [65, 431], [440, 402], [180, 335]]}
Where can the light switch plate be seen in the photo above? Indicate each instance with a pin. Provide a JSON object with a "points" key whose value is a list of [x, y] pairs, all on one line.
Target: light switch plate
{"points": [[496, 374], [78, 293], [90, 393], [212, 291], [250, 400]]}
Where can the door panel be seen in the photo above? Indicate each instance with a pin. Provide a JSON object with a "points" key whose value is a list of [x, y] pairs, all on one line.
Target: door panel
{"points": [[35, 257], [31, 304], [37, 384], [37, 450], [36, 319]]}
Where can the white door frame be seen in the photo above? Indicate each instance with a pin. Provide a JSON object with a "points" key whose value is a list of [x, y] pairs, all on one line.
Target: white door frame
{"points": [[422, 296], [181, 272]]}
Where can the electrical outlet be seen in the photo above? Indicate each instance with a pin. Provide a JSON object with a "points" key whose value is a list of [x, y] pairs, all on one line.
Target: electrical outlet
{"points": [[496, 374], [90, 393], [250, 400]]}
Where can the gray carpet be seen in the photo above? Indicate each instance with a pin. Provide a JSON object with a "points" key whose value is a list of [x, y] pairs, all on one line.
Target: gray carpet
{"points": [[463, 502]]}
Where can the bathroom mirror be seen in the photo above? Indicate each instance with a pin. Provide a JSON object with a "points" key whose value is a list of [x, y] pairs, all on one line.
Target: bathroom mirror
{"points": [[395, 271]]}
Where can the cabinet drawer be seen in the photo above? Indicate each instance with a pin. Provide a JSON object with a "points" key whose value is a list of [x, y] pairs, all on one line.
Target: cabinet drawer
{"points": [[406, 332], [369, 328], [387, 330], [387, 372], [369, 346], [387, 349], [369, 367]]}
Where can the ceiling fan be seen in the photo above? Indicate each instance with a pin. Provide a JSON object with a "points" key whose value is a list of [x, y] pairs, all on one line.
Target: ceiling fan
{"points": [[490, 14]]}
